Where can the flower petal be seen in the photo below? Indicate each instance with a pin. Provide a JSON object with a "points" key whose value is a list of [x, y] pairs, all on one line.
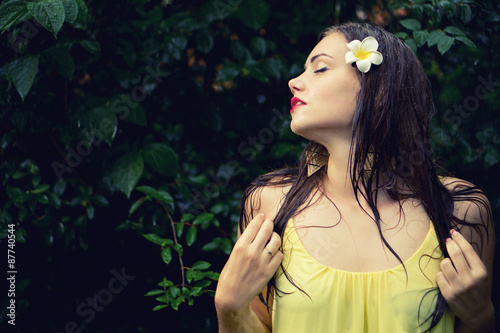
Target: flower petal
{"points": [[375, 57], [364, 65], [350, 57], [354, 45], [369, 44]]}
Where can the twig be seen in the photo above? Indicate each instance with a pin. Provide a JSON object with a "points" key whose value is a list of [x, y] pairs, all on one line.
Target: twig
{"points": [[172, 223]]}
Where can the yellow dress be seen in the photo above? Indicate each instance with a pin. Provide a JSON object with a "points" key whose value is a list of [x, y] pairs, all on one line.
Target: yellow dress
{"points": [[357, 302]]}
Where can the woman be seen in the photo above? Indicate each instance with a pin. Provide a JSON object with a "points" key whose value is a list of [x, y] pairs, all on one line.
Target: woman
{"points": [[357, 238]]}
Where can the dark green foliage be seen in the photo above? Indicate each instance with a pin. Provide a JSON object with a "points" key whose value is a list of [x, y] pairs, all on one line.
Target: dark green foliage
{"points": [[129, 118]]}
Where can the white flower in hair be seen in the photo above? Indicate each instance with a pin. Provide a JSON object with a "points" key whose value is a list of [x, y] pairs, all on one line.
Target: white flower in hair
{"points": [[364, 54]]}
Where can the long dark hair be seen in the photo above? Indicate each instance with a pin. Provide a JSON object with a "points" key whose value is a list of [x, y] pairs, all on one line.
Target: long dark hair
{"points": [[390, 150]]}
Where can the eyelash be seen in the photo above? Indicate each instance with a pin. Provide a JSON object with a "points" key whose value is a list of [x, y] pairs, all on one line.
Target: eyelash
{"points": [[321, 70]]}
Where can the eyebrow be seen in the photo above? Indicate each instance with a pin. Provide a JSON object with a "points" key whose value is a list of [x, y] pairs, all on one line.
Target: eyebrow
{"points": [[316, 56]]}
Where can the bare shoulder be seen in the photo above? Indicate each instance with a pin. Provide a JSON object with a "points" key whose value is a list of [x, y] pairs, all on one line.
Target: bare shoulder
{"points": [[473, 208], [266, 199]]}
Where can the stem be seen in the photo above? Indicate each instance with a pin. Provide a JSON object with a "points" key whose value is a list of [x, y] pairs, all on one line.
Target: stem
{"points": [[172, 224]]}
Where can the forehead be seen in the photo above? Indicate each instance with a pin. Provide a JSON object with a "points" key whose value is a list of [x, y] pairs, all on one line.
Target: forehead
{"points": [[333, 45]]}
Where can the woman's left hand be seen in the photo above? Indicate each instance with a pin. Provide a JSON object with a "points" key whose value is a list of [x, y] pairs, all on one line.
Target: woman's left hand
{"points": [[463, 282]]}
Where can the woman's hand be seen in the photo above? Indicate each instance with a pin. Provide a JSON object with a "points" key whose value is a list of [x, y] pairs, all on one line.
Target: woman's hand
{"points": [[253, 261], [463, 282]]}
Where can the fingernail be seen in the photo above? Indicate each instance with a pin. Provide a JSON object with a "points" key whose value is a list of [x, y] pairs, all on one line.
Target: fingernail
{"points": [[263, 214], [452, 231], [448, 239]]}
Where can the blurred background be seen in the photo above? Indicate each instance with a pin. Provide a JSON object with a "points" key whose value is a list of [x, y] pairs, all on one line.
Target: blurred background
{"points": [[129, 129]]}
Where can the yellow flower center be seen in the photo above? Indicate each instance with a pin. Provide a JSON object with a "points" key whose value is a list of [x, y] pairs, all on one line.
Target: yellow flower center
{"points": [[361, 54]]}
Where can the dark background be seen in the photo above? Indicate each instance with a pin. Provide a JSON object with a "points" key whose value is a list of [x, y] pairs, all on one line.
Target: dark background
{"points": [[212, 115]]}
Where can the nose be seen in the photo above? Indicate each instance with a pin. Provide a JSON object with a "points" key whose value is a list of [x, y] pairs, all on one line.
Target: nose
{"points": [[296, 84]]}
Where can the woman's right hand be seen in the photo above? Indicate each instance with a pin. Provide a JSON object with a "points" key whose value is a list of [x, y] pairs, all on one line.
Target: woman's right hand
{"points": [[253, 261]]}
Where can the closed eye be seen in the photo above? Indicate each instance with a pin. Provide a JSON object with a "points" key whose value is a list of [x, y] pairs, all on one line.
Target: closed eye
{"points": [[321, 70]]}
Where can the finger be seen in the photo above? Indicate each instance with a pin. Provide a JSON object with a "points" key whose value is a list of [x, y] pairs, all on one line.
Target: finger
{"points": [[448, 271], [457, 257], [468, 251], [263, 235], [274, 243], [443, 284], [252, 229]]}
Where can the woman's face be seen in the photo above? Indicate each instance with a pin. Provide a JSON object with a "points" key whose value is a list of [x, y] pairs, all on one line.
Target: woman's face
{"points": [[327, 88]]}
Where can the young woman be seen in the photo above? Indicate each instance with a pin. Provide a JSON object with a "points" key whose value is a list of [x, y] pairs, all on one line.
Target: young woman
{"points": [[363, 236]]}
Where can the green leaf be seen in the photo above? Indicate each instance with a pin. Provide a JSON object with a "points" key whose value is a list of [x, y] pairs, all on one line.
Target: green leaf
{"points": [[204, 41], [135, 205], [162, 159], [60, 187], [179, 228], [228, 73], [81, 19], [465, 13], [445, 43], [187, 217], [23, 74], [90, 212], [411, 24], [159, 307], [40, 189], [401, 35], [258, 45], [127, 171], [203, 218], [210, 247], [421, 37], [454, 31], [154, 292], [70, 10], [166, 255], [466, 41], [161, 195], [91, 46], [128, 110], [254, 14], [165, 283], [154, 238], [99, 123], [191, 235], [12, 13], [62, 61], [434, 37], [49, 13], [201, 265]]}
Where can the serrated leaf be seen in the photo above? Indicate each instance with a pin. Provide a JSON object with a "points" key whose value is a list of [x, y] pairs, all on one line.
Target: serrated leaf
{"points": [[23, 74], [434, 37], [81, 19], [12, 13], [191, 235], [412, 44], [49, 13], [165, 283], [162, 159], [201, 265], [70, 10], [166, 255], [99, 123], [465, 13], [127, 171], [453, 31], [445, 43], [421, 37], [466, 41], [411, 24]]}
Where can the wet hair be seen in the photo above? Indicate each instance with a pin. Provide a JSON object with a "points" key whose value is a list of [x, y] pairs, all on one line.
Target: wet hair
{"points": [[390, 151]]}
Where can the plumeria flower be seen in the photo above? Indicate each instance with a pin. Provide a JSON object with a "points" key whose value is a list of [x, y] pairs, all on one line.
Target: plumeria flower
{"points": [[364, 54]]}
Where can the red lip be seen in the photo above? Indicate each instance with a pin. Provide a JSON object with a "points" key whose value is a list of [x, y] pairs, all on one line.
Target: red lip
{"points": [[294, 102]]}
